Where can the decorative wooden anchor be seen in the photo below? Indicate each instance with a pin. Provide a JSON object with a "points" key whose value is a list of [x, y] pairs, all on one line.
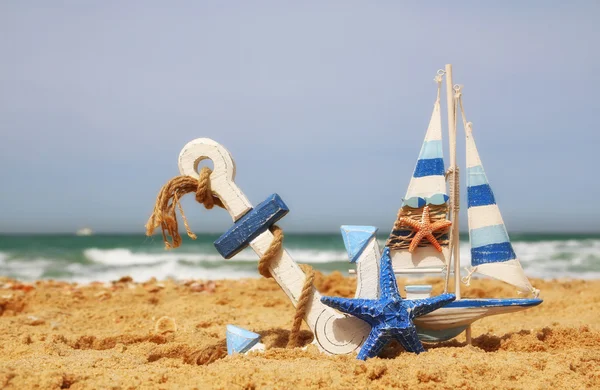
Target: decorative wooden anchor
{"points": [[335, 333]]}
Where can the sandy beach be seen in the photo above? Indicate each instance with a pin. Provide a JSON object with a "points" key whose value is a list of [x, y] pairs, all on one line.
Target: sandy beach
{"points": [[168, 335]]}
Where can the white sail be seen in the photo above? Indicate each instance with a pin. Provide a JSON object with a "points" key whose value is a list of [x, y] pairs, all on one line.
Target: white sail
{"points": [[491, 251], [427, 188]]}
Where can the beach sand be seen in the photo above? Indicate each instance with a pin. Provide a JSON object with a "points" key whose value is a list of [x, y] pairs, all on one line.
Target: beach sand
{"points": [[60, 335]]}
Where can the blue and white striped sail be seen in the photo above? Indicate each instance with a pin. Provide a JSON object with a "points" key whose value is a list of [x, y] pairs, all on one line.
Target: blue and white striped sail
{"points": [[491, 251], [428, 182], [427, 187]]}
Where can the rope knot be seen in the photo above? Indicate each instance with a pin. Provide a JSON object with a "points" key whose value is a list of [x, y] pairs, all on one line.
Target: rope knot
{"points": [[203, 191], [164, 214]]}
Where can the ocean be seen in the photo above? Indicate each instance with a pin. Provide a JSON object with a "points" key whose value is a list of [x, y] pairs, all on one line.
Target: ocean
{"points": [[109, 257]]}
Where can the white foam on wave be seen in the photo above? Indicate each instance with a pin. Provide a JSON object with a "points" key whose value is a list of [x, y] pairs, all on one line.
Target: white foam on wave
{"points": [[82, 274], [541, 259], [111, 264], [124, 256], [27, 270]]}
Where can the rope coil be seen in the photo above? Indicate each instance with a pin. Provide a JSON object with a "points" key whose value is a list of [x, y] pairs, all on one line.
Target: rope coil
{"points": [[164, 216]]}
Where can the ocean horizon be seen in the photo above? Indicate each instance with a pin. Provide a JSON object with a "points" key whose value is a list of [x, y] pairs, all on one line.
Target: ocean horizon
{"points": [[110, 256]]}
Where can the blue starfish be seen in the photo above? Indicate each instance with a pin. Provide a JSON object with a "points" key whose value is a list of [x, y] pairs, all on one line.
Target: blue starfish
{"points": [[390, 316]]}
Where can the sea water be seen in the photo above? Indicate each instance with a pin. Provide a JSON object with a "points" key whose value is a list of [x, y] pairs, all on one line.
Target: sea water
{"points": [[109, 257]]}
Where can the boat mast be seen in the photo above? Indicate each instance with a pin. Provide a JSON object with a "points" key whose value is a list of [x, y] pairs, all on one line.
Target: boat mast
{"points": [[454, 199]]}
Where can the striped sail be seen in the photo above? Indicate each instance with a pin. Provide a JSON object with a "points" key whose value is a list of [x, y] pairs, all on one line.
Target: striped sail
{"points": [[427, 187], [428, 182], [491, 251]]}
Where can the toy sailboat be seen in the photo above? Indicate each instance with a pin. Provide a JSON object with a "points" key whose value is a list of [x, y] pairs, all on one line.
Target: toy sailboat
{"points": [[424, 241]]}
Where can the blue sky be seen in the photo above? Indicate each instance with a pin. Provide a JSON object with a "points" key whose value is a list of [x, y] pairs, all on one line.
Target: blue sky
{"points": [[324, 102]]}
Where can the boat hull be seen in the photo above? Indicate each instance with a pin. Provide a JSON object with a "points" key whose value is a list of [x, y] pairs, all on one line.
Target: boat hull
{"points": [[451, 320]]}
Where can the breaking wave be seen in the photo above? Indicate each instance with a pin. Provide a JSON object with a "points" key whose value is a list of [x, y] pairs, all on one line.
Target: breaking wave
{"points": [[571, 258]]}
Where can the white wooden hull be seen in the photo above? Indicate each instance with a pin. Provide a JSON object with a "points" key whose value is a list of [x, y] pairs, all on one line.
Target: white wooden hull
{"points": [[449, 321], [452, 317]]}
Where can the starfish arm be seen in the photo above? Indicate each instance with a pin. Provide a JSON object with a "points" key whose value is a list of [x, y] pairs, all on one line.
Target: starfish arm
{"points": [[405, 221], [373, 344], [416, 240], [427, 305], [365, 309], [425, 216], [387, 278], [440, 225], [409, 339], [433, 241]]}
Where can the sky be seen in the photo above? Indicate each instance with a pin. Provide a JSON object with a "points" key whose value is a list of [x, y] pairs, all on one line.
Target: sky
{"points": [[324, 102]]}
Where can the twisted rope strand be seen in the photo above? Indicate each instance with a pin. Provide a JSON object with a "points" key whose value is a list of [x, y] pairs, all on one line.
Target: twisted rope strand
{"points": [[302, 307], [274, 251]]}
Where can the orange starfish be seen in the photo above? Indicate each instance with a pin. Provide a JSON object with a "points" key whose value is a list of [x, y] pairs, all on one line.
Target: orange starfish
{"points": [[424, 229]]}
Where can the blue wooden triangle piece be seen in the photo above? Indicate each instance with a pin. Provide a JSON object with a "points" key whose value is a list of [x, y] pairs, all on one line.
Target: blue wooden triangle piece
{"points": [[356, 239], [240, 340]]}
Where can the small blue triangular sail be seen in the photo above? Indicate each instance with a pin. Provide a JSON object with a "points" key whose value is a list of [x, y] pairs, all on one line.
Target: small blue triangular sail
{"points": [[240, 340], [356, 239]]}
